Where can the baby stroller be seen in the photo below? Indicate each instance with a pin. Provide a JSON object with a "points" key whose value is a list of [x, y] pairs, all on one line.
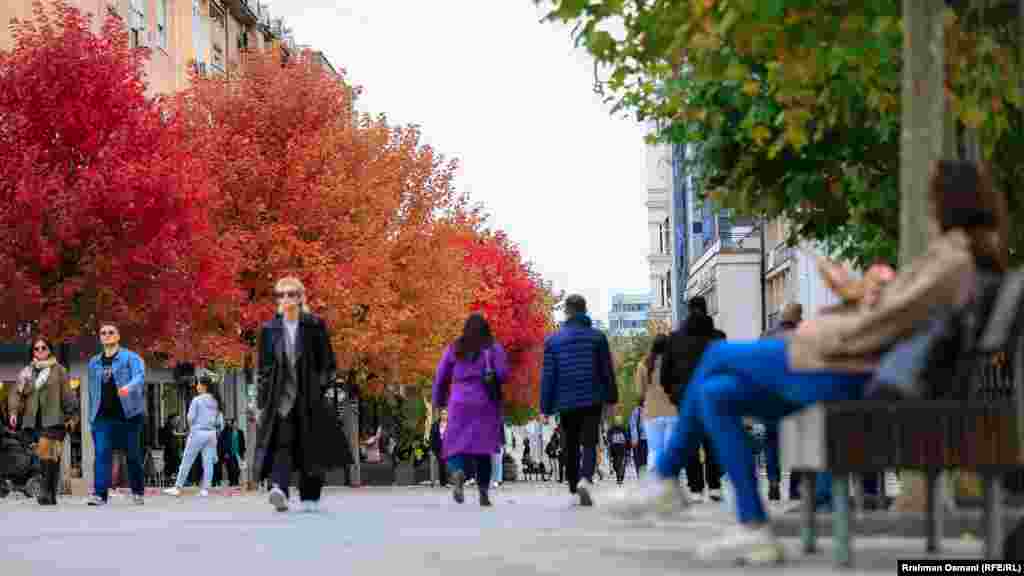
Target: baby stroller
{"points": [[20, 469]]}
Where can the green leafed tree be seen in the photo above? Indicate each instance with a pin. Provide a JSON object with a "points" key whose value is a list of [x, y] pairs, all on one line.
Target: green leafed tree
{"points": [[793, 106]]}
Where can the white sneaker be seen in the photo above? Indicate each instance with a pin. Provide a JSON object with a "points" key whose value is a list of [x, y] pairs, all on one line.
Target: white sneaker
{"points": [[656, 496], [278, 500], [696, 498], [744, 545], [173, 491], [204, 493], [585, 491], [715, 495]]}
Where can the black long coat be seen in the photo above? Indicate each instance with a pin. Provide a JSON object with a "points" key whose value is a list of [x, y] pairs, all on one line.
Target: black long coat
{"points": [[324, 445]]}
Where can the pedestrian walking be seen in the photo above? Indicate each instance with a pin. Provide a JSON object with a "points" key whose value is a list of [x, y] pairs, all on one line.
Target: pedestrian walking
{"points": [[684, 349], [437, 432], [638, 437], [297, 429], [556, 452], [659, 412], [45, 404], [617, 443], [577, 384], [168, 439], [231, 445], [468, 383], [205, 421], [117, 405]]}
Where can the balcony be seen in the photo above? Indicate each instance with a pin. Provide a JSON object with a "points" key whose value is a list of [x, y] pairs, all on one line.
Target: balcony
{"points": [[779, 255]]}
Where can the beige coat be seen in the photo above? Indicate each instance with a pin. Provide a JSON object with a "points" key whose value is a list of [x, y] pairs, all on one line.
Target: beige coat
{"points": [[51, 401], [852, 338], [656, 403]]}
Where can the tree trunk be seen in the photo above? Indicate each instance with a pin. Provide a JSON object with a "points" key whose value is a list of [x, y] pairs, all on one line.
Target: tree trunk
{"points": [[926, 131]]}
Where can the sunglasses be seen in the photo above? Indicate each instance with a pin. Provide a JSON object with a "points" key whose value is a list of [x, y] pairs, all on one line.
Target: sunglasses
{"points": [[40, 348], [293, 294], [108, 333]]}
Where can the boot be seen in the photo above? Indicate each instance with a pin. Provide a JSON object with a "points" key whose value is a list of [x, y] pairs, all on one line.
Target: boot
{"points": [[55, 487], [44, 484]]}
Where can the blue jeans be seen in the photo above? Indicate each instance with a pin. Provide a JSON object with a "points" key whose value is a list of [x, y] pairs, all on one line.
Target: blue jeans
{"points": [[657, 436], [126, 435], [737, 379], [481, 463], [199, 441], [497, 464]]}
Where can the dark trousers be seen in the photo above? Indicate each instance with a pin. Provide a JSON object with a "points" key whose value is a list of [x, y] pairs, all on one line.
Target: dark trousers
{"points": [[480, 464], [619, 461], [108, 435], [710, 472], [580, 427], [442, 470], [288, 441], [234, 472], [640, 456]]}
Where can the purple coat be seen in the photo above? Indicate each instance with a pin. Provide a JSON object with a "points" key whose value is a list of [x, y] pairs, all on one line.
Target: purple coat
{"points": [[475, 423]]}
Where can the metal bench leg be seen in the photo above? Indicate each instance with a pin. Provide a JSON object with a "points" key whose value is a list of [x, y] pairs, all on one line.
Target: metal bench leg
{"points": [[841, 519], [808, 522], [993, 515], [934, 512]]}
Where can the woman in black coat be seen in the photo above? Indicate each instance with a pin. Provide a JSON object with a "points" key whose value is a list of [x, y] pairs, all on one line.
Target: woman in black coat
{"points": [[297, 428]]}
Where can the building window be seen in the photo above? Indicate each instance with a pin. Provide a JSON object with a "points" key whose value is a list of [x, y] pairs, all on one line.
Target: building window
{"points": [[668, 287], [161, 22], [661, 238], [667, 237]]}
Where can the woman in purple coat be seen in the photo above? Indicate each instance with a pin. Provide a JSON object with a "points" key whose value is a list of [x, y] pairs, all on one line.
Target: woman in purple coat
{"points": [[468, 382]]}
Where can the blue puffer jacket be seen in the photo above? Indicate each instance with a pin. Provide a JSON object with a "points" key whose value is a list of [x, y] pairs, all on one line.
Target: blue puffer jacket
{"points": [[578, 369]]}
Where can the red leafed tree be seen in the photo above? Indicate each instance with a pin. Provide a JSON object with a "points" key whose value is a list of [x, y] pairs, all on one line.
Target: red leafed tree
{"points": [[518, 305], [348, 204], [103, 211]]}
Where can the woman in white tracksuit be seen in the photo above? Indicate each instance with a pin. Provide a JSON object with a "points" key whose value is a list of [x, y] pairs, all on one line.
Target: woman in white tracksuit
{"points": [[205, 422]]}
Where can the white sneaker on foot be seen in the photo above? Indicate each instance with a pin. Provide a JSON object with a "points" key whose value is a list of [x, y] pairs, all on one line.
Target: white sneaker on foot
{"points": [[204, 493], [756, 546], [173, 491], [278, 500], [585, 491], [715, 495], [656, 496]]}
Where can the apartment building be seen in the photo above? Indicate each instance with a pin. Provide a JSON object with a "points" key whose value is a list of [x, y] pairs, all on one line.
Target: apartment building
{"points": [[791, 275], [659, 226], [629, 314]]}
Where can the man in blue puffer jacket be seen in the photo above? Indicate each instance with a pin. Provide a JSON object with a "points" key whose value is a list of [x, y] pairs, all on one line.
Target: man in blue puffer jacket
{"points": [[578, 382]]}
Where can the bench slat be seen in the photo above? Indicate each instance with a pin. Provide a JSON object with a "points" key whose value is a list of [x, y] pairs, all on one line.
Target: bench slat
{"points": [[867, 436]]}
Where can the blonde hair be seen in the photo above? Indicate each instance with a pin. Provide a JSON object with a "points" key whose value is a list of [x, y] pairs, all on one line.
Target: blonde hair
{"points": [[292, 282]]}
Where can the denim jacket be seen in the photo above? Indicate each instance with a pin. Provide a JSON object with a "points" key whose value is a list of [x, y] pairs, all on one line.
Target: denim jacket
{"points": [[129, 370]]}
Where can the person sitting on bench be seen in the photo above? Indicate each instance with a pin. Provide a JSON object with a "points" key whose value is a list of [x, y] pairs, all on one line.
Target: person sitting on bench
{"points": [[828, 358]]}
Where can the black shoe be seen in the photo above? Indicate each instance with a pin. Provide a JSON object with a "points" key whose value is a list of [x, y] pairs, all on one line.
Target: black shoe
{"points": [[485, 500], [774, 494], [459, 486]]}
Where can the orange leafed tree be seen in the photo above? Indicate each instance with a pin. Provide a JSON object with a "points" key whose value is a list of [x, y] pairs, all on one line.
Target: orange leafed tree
{"points": [[349, 204]]}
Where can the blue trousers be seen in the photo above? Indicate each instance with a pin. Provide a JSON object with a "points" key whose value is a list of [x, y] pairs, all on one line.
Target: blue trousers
{"points": [[126, 435], [480, 463], [738, 379]]}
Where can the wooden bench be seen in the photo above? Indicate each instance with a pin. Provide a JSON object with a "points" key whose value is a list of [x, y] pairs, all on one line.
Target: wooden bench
{"points": [[982, 434]]}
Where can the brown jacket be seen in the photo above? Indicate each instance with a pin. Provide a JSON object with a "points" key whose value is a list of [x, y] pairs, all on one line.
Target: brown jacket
{"points": [[54, 401], [852, 338], [656, 403]]}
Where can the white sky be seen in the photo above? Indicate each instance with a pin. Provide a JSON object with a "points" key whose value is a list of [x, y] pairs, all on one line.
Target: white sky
{"points": [[511, 98]]}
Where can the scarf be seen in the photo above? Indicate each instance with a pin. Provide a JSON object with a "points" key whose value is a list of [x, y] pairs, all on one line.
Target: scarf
{"points": [[41, 371]]}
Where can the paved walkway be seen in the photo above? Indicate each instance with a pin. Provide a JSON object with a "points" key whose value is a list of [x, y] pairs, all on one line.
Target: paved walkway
{"points": [[532, 530]]}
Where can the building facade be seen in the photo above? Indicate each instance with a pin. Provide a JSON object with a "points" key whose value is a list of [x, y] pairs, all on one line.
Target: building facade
{"points": [[629, 314], [660, 231], [791, 275]]}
